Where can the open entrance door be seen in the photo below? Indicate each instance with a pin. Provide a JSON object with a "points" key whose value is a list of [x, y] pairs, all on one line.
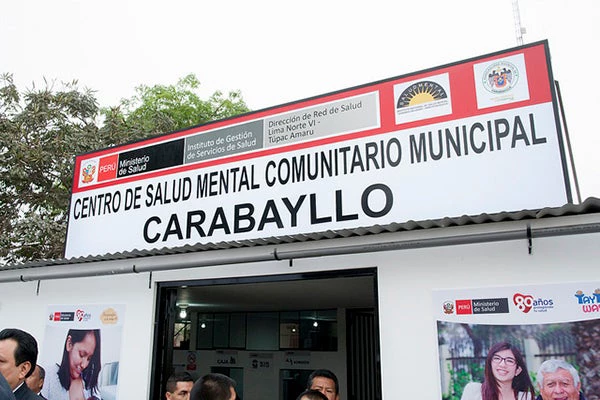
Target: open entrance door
{"points": [[272, 331]]}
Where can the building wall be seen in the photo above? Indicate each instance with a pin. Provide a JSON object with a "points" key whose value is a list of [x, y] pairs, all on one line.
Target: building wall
{"points": [[406, 278]]}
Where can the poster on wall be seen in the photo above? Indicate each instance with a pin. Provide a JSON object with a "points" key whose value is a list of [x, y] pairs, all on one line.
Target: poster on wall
{"points": [[541, 340], [81, 351], [376, 154]]}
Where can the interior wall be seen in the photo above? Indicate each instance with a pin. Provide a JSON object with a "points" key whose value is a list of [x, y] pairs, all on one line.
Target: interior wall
{"points": [[409, 361], [263, 367]]}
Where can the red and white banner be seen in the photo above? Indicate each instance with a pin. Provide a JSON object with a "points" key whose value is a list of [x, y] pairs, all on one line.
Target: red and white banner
{"points": [[479, 136]]}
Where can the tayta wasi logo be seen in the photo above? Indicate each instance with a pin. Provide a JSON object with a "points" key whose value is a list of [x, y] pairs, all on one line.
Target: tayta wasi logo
{"points": [[589, 303]]}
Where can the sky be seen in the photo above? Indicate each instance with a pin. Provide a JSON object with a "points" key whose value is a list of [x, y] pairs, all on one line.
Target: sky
{"points": [[277, 51]]}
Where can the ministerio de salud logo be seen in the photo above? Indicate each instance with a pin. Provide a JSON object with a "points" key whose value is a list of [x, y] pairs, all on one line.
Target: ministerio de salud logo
{"points": [[476, 306]]}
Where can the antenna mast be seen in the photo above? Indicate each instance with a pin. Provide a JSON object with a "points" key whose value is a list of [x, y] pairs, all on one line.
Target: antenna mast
{"points": [[519, 31]]}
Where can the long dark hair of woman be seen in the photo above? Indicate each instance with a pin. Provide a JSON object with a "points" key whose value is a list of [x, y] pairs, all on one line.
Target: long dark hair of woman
{"points": [[520, 383], [91, 373]]}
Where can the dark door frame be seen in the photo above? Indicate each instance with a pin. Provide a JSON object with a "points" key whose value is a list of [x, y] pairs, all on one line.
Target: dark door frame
{"points": [[166, 314]]}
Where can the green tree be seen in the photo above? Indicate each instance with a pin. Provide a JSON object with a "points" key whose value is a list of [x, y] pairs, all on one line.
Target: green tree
{"points": [[166, 108], [41, 131]]}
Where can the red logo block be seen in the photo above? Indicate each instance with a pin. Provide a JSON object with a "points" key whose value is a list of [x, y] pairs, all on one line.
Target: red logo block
{"points": [[464, 307], [108, 168]]}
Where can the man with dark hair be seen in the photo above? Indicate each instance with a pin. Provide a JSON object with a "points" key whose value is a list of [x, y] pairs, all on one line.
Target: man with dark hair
{"points": [[179, 386], [36, 380], [214, 387], [325, 382], [18, 357]]}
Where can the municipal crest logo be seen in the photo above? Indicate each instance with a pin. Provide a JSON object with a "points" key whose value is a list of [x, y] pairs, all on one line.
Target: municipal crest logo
{"points": [[500, 77]]}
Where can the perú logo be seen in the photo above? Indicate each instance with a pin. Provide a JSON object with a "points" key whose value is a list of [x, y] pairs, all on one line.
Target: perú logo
{"points": [[524, 302]]}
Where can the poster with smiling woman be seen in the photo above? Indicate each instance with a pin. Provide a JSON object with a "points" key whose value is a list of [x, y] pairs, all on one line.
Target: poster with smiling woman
{"points": [[523, 342], [81, 351]]}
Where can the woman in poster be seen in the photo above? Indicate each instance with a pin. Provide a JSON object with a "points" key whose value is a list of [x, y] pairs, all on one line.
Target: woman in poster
{"points": [[505, 377], [76, 377]]}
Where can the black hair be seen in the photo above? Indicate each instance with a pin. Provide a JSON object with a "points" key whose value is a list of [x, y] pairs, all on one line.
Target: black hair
{"points": [[42, 372], [177, 377], [27, 348], [92, 371], [213, 387], [520, 383], [312, 395], [323, 373]]}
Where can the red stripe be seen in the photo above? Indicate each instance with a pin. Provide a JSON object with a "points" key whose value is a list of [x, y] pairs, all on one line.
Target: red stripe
{"points": [[463, 97]]}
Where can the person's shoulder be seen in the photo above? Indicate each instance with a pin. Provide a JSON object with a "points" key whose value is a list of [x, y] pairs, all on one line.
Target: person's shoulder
{"points": [[24, 393], [52, 388], [526, 396], [6, 394], [5, 390], [472, 391]]}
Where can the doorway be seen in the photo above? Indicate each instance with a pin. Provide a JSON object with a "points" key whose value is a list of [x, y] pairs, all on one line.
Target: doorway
{"points": [[280, 327]]}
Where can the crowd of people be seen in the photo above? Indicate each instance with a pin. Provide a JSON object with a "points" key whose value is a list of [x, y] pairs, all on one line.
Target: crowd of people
{"points": [[322, 384], [76, 378]]}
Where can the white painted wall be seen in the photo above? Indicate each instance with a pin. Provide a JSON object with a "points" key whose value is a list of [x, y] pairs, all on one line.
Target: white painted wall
{"points": [[406, 278], [21, 307]]}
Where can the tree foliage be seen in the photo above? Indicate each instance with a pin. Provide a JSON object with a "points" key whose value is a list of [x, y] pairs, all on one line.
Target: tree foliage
{"points": [[166, 108], [41, 131]]}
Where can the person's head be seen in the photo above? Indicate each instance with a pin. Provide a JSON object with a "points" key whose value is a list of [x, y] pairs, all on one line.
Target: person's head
{"points": [[18, 355], [81, 358], [311, 394], [36, 380], [179, 386], [504, 364], [214, 387], [557, 379], [325, 382]]}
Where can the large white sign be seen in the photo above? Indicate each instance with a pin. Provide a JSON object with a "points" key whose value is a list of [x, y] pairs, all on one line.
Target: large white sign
{"points": [[462, 139]]}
